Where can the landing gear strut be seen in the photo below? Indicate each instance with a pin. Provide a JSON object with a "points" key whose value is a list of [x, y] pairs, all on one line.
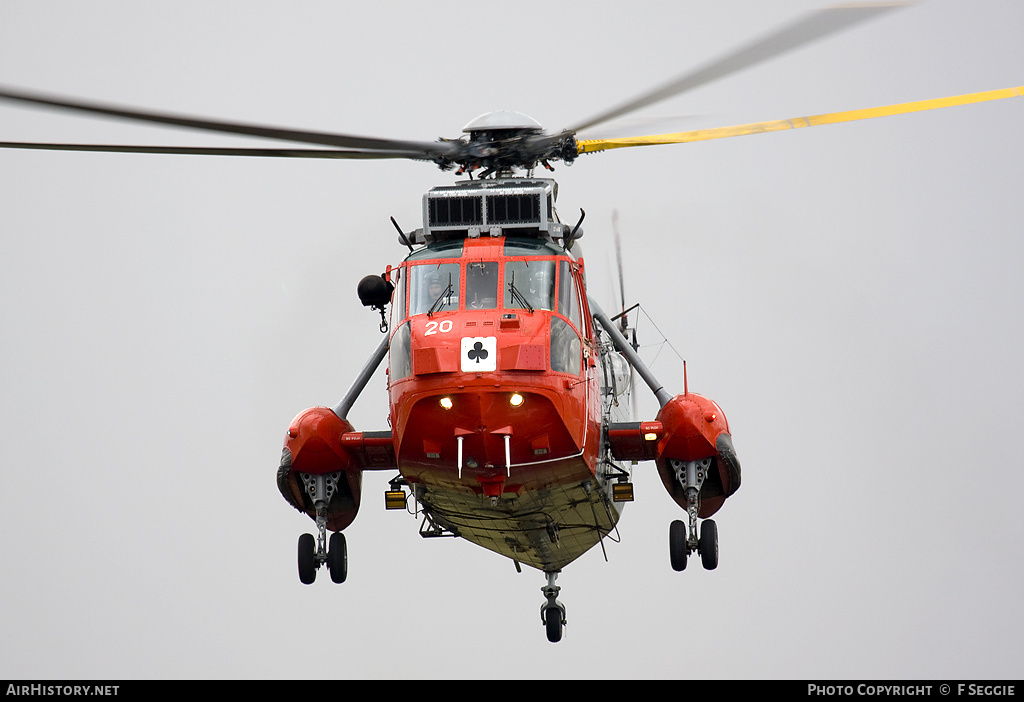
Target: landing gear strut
{"points": [[314, 552], [552, 612], [683, 542]]}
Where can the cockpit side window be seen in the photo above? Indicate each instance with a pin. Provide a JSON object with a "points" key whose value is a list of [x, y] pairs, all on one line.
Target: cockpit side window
{"points": [[566, 356], [398, 298], [529, 282], [568, 298], [401, 353]]}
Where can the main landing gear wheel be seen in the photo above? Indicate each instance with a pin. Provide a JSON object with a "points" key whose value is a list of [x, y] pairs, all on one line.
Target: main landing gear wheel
{"points": [[337, 557], [307, 559], [708, 544], [678, 548]]}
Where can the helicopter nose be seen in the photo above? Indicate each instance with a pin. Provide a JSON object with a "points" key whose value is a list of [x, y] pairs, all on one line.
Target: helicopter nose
{"points": [[500, 428]]}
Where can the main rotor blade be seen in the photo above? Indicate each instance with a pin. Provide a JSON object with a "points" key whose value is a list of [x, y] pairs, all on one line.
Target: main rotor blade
{"points": [[815, 26], [213, 151], [589, 146], [424, 149]]}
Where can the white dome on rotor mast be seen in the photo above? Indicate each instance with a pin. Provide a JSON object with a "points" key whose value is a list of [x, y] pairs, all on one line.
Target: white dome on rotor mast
{"points": [[502, 119]]}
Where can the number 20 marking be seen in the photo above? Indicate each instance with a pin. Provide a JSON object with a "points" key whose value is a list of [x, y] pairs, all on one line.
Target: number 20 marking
{"points": [[434, 327]]}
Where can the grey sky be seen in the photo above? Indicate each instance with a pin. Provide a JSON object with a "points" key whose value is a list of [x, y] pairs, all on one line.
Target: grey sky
{"points": [[850, 295]]}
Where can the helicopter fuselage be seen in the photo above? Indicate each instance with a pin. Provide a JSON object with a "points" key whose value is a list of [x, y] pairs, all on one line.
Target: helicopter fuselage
{"points": [[495, 396]]}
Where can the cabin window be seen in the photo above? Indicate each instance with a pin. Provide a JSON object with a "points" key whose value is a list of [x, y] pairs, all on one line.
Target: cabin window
{"points": [[566, 349], [529, 282], [433, 287], [481, 285]]}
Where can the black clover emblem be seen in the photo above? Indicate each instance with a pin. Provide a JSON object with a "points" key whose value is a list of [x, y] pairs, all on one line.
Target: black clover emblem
{"points": [[477, 353]]}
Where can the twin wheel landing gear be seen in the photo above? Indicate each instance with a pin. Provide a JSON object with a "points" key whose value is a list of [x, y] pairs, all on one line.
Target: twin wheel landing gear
{"points": [[552, 612], [691, 474], [679, 547], [314, 553]]}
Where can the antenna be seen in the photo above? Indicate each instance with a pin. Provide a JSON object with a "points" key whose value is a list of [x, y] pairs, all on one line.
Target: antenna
{"points": [[401, 235]]}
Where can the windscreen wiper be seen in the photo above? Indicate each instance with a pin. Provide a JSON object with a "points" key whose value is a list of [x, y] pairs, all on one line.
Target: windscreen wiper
{"points": [[446, 295], [516, 295]]}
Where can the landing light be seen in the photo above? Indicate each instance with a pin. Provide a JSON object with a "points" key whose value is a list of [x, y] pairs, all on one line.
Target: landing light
{"points": [[516, 400], [622, 492], [394, 499], [446, 402]]}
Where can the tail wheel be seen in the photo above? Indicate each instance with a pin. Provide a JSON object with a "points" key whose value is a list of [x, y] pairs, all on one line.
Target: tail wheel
{"points": [[708, 544], [337, 557], [307, 559], [677, 547], [553, 624]]}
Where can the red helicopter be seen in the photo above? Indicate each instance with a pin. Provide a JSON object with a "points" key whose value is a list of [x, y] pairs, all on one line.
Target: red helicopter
{"points": [[508, 384]]}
